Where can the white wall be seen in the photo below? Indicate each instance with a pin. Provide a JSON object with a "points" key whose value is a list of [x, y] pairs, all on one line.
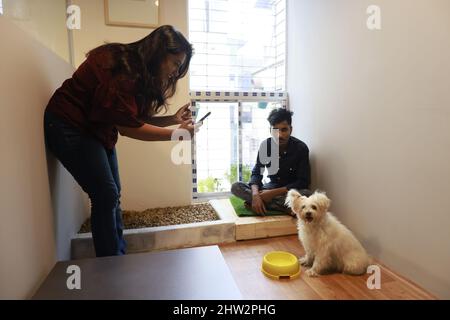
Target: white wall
{"points": [[374, 107], [149, 178], [41, 206], [45, 20]]}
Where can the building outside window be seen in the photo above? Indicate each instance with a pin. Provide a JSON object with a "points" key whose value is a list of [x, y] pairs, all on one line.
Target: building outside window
{"points": [[237, 73]]}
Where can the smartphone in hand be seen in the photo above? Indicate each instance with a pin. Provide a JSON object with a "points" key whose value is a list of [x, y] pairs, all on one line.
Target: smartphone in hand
{"points": [[204, 117]]}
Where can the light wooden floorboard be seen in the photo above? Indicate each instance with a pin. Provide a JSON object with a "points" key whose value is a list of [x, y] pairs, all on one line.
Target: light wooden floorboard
{"points": [[244, 260]]}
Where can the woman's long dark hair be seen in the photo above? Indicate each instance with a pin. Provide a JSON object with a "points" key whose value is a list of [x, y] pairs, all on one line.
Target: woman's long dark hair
{"points": [[141, 61]]}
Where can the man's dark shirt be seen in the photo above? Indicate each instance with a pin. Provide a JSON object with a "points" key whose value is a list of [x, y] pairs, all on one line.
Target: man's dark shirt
{"points": [[294, 170]]}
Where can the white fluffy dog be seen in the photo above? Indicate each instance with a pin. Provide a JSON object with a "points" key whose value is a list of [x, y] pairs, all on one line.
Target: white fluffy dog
{"points": [[329, 245]]}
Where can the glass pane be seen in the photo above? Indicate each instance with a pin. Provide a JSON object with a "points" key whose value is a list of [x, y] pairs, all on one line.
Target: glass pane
{"points": [[240, 42], [255, 129], [217, 147]]}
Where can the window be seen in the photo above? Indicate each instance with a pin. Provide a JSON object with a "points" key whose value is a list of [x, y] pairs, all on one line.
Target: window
{"points": [[1, 7], [239, 44], [237, 73], [225, 148]]}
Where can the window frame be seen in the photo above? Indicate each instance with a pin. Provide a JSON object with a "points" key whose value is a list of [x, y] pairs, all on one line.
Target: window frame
{"points": [[238, 97]]}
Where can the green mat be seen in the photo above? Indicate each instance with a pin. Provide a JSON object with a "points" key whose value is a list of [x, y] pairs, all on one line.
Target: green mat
{"points": [[241, 211]]}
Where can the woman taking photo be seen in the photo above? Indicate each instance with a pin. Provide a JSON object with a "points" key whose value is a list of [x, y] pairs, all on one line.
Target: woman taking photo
{"points": [[119, 88]]}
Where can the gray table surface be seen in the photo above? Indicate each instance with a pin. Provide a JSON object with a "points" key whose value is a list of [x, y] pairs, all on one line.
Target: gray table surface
{"points": [[183, 274]]}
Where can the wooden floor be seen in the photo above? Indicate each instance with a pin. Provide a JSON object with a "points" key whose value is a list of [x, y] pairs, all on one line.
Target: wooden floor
{"points": [[244, 260]]}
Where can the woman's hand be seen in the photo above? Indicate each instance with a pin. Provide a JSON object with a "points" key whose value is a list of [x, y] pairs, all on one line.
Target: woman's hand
{"points": [[183, 114]]}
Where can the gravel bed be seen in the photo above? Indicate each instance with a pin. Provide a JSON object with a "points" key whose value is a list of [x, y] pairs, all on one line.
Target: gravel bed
{"points": [[163, 217]]}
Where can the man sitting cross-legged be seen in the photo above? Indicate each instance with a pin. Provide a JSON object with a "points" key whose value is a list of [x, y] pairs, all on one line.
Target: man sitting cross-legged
{"points": [[292, 171]]}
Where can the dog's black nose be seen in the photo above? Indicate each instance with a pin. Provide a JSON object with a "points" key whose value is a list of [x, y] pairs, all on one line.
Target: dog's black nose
{"points": [[308, 214]]}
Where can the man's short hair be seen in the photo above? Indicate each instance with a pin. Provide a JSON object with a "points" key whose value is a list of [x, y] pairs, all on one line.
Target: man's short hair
{"points": [[279, 115]]}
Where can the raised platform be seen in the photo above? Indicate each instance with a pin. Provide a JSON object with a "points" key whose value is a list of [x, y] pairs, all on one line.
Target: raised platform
{"points": [[257, 227], [167, 237], [265, 227], [229, 228]]}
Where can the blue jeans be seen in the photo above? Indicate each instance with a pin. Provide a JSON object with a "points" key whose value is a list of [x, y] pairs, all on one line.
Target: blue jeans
{"points": [[95, 169]]}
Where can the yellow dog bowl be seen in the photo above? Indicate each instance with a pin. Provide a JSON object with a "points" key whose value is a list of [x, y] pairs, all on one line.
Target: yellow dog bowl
{"points": [[280, 265]]}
